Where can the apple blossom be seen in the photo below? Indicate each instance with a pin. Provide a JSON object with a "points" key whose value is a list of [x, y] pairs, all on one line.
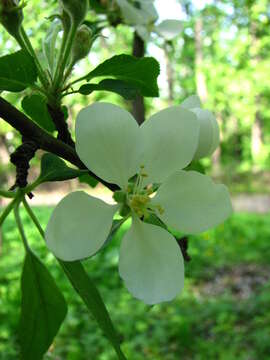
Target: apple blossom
{"points": [[146, 162]]}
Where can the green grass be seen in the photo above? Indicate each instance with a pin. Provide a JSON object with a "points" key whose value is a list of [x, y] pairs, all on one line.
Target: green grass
{"points": [[223, 313]]}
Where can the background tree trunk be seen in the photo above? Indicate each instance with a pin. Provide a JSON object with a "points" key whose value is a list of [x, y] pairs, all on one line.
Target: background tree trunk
{"points": [[138, 108]]}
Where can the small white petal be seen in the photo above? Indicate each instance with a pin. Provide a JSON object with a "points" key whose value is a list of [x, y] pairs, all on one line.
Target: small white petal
{"points": [[191, 102], [169, 29], [135, 16], [106, 140], [209, 133], [79, 226], [192, 203], [151, 263], [170, 139]]}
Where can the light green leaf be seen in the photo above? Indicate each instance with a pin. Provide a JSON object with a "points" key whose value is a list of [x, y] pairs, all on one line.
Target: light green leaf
{"points": [[49, 44], [55, 169], [88, 179], [123, 88], [142, 73], [36, 107], [43, 309], [17, 71], [91, 297]]}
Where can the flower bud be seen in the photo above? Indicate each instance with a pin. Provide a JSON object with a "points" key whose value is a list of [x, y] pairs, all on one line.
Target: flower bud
{"points": [[76, 9], [11, 16], [82, 43]]}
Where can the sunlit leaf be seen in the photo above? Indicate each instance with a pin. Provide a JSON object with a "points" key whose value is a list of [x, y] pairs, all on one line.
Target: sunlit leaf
{"points": [[17, 71]]}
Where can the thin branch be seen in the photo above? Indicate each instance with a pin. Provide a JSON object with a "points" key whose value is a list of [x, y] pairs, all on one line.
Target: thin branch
{"points": [[44, 140]]}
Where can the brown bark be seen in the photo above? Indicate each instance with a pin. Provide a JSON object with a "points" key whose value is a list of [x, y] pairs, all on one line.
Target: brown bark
{"points": [[138, 108], [170, 73]]}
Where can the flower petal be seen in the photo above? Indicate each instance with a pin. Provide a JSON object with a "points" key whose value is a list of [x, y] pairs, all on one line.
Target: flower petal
{"points": [[191, 102], [169, 29], [209, 133], [170, 139], [79, 226], [138, 16], [192, 203], [151, 263], [106, 139]]}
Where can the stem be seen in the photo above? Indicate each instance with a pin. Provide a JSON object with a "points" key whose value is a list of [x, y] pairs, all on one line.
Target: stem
{"points": [[64, 59], [34, 218], [7, 194], [26, 44], [76, 81], [6, 211], [20, 226]]}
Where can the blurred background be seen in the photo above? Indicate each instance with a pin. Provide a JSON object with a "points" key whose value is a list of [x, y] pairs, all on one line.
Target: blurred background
{"points": [[223, 55]]}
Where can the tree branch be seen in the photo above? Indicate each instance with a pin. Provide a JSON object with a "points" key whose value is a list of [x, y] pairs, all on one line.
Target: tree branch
{"points": [[28, 129]]}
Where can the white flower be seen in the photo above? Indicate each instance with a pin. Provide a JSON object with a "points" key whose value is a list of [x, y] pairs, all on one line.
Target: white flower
{"points": [[143, 18], [114, 147]]}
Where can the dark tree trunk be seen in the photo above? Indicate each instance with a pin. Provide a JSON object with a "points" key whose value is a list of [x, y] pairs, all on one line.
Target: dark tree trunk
{"points": [[138, 108]]}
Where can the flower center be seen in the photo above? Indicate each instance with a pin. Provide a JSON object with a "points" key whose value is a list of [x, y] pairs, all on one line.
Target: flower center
{"points": [[137, 197]]}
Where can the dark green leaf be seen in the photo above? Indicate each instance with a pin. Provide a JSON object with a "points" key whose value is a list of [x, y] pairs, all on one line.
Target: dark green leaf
{"points": [[43, 309], [154, 220], [17, 71], [88, 179], [123, 88], [142, 73], [55, 169], [36, 107], [91, 297], [97, 6]]}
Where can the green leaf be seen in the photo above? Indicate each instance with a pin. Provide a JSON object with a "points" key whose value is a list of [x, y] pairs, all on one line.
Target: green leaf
{"points": [[49, 44], [43, 309], [88, 179], [126, 90], [154, 220], [97, 6], [142, 73], [92, 299], [117, 223], [17, 71], [36, 107], [55, 169]]}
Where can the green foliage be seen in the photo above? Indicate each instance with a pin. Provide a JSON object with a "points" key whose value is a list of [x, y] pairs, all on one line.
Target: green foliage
{"points": [[17, 71], [55, 169], [43, 309], [142, 73], [91, 297], [49, 44], [35, 106], [88, 179], [125, 89]]}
